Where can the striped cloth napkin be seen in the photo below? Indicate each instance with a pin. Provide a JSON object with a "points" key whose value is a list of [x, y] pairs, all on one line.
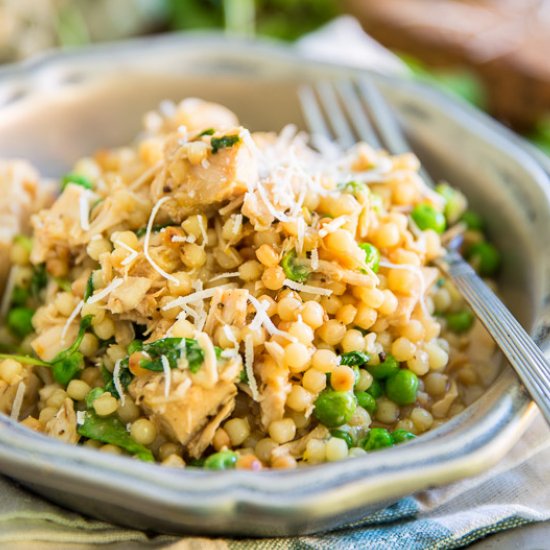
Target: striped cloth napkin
{"points": [[513, 494]]}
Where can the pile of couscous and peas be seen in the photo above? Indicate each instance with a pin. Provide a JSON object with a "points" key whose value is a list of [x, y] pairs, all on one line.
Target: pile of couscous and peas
{"points": [[210, 297]]}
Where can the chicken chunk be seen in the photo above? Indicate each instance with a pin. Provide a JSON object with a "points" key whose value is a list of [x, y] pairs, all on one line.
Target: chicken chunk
{"points": [[228, 307], [198, 115], [190, 407], [222, 175], [63, 425], [129, 294]]}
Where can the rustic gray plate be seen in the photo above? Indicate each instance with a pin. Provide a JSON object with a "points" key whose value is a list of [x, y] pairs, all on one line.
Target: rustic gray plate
{"points": [[62, 106]]}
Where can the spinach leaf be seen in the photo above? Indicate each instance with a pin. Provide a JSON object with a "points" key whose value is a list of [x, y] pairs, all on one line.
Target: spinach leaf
{"points": [[207, 132], [155, 229], [172, 349], [111, 430]]}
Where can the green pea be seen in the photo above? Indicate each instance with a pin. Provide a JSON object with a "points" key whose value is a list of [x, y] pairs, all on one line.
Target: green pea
{"points": [[425, 216], [473, 221], [334, 408], [20, 321], [366, 400], [455, 202], [460, 322], [376, 389], [402, 387], [401, 436], [372, 256], [484, 258], [346, 436], [378, 438], [385, 369], [224, 460]]}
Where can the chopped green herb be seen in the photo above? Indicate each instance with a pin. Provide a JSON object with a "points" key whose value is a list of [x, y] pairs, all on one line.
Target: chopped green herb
{"points": [[207, 132], [111, 430], [155, 229], [77, 179], [354, 358], [372, 256], [39, 280], [63, 284], [352, 187], [19, 321], [89, 287], [172, 349], [293, 268], [19, 296], [223, 142], [92, 395], [23, 241], [134, 345]]}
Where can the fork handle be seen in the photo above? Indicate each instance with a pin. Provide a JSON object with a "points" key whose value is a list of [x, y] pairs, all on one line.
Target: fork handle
{"points": [[523, 354]]}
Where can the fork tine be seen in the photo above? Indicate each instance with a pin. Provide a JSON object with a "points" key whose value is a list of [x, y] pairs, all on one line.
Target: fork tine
{"points": [[356, 113], [315, 120], [336, 116], [387, 124], [385, 121]]}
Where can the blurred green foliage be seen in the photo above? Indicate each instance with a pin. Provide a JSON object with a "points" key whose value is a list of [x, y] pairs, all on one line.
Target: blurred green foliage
{"points": [[283, 19], [541, 135]]}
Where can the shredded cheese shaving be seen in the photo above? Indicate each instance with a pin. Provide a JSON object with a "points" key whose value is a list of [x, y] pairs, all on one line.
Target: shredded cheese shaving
{"points": [[167, 375], [310, 289], [153, 264], [116, 381], [202, 230], [249, 366], [70, 319], [113, 285], [266, 321], [80, 417], [210, 366], [8, 291], [315, 259], [18, 401], [227, 275], [196, 296], [84, 207], [132, 256], [332, 226]]}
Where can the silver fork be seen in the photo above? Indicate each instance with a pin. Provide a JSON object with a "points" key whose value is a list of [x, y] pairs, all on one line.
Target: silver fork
{"points": [[338, 112]]}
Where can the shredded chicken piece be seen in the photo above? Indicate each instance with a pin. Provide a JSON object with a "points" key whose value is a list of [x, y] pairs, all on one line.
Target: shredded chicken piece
{"points": [[228, 307], [63, 425], [129, 294]]}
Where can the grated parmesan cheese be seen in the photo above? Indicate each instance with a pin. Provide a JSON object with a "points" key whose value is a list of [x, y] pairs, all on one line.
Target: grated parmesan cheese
{"points": [[113, 285], [310, 289], [249, 366], [156, 267], [18, 401], [333, 226], [80, 417], [210, 367], [70, 319], [315, 259], [196, 296], [202, 230], [227, 275], [133, 253], [116, 381], [167, 375], [230, 206], [84, 206], [266, 321]]}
